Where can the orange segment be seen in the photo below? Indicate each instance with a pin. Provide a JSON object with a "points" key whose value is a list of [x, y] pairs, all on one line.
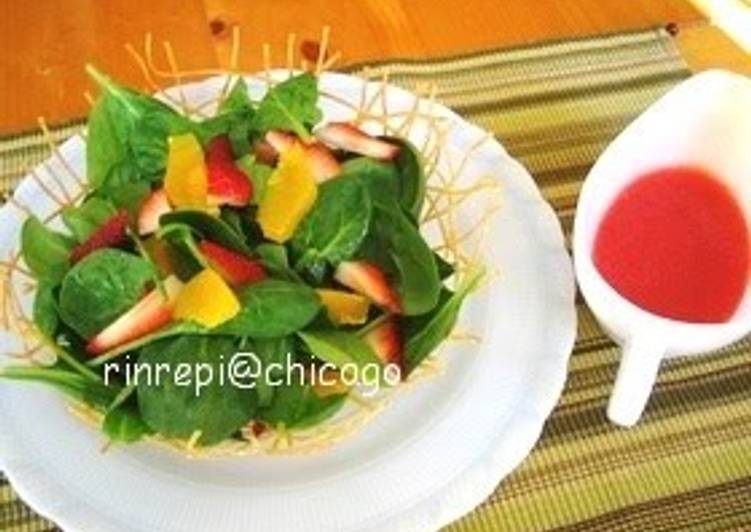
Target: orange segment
{"points": [[330, 384], [344, 308], [186, 180], [206, 299], [290, 193]]}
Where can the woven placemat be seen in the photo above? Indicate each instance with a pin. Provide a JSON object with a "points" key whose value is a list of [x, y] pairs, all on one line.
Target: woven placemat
{"points": [[688, 464]]}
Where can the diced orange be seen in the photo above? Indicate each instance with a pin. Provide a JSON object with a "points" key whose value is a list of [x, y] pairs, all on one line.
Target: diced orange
{"points": [[290, 193], [332, 384], [206, 299], [186, 180], [344, 308]]}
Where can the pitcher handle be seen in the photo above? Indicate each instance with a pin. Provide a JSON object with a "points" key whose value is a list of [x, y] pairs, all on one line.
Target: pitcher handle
{"points": [[637, 373]]}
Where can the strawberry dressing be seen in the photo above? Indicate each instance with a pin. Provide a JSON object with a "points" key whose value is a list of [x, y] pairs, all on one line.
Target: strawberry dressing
{"points": [[675, 242]]}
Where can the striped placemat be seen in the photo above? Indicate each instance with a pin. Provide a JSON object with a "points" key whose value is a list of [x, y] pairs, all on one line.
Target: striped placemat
{"points": [[688, 464]]}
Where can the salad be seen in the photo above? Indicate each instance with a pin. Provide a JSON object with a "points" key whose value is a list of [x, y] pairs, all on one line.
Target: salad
{"points": [[260, 230]]}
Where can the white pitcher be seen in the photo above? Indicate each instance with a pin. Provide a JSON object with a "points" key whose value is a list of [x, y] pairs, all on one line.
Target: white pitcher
{"points": [[704, 122]]}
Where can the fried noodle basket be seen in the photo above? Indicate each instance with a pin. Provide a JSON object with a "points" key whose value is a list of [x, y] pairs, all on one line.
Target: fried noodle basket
{"points": [[458, 213]]}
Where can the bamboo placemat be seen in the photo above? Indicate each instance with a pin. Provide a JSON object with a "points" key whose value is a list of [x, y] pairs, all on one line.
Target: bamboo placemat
{"points": [[688, 464]]}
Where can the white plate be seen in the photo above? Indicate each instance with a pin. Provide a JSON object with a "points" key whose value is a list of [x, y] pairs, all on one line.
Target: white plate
{"points": [[435, 453]]}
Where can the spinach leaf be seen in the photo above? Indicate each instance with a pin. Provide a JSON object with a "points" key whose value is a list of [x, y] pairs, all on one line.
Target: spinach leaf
{"points": [[86, 218], [176, 410], [339, 347], [412, 180], [124, 187], [70, 351], [290, 105], [149, 141], [72, 384], [273, 308], [100, 288], [232, 119], [314, 273], [381, 178], [243, 222], [423, 334], [125, 425], [182, 249], [233, 219], [44, 312], [238, 106], [403, 181], [445, 268], [396, 245], [208, 227], [211, 127], [106, 147], [316, 410], [273, 255], [333, 230], [156, 270], [45, 251], [297, 406], [237, 101], [270, 351], [258, 173], [127, 125], [276, 261], [123, 397]]}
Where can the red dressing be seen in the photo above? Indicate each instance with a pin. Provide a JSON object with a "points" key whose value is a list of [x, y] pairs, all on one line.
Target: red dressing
{"points": [[675, 243]]}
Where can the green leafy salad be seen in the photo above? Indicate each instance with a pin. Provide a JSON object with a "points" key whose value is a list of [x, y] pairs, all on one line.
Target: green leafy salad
{"points": [[259, 230]]}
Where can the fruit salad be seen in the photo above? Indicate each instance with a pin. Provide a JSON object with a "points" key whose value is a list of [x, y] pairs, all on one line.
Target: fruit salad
{"points": [[263, 229]]}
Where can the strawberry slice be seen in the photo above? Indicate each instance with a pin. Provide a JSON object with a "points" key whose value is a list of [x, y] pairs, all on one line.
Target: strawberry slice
{"points": [[235, 268], [227, 185], [110, 234], [386, 341], [367, 279], [280, 140], [151, 210], [265, 153], [324, 164], [153, 312], [345, 136]]}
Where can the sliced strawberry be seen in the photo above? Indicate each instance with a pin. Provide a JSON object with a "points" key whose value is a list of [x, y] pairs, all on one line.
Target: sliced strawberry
{"points": [[386, 341], [228, 185], [219, 150], [153, 312], [280, 140], [110, 234], [324, 164], [345, 136], [236, 269], [151, 210], [367, 279], [265, 153]]}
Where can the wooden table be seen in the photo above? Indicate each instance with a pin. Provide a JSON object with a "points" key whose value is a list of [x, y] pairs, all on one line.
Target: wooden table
{"points": [[47, 42]]}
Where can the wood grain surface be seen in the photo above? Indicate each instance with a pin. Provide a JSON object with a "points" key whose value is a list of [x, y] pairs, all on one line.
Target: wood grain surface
{"points": [[47, 42]]}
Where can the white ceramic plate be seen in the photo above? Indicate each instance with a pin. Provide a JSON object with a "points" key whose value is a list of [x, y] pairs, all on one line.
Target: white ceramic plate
{"points": [[435, 453]]}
